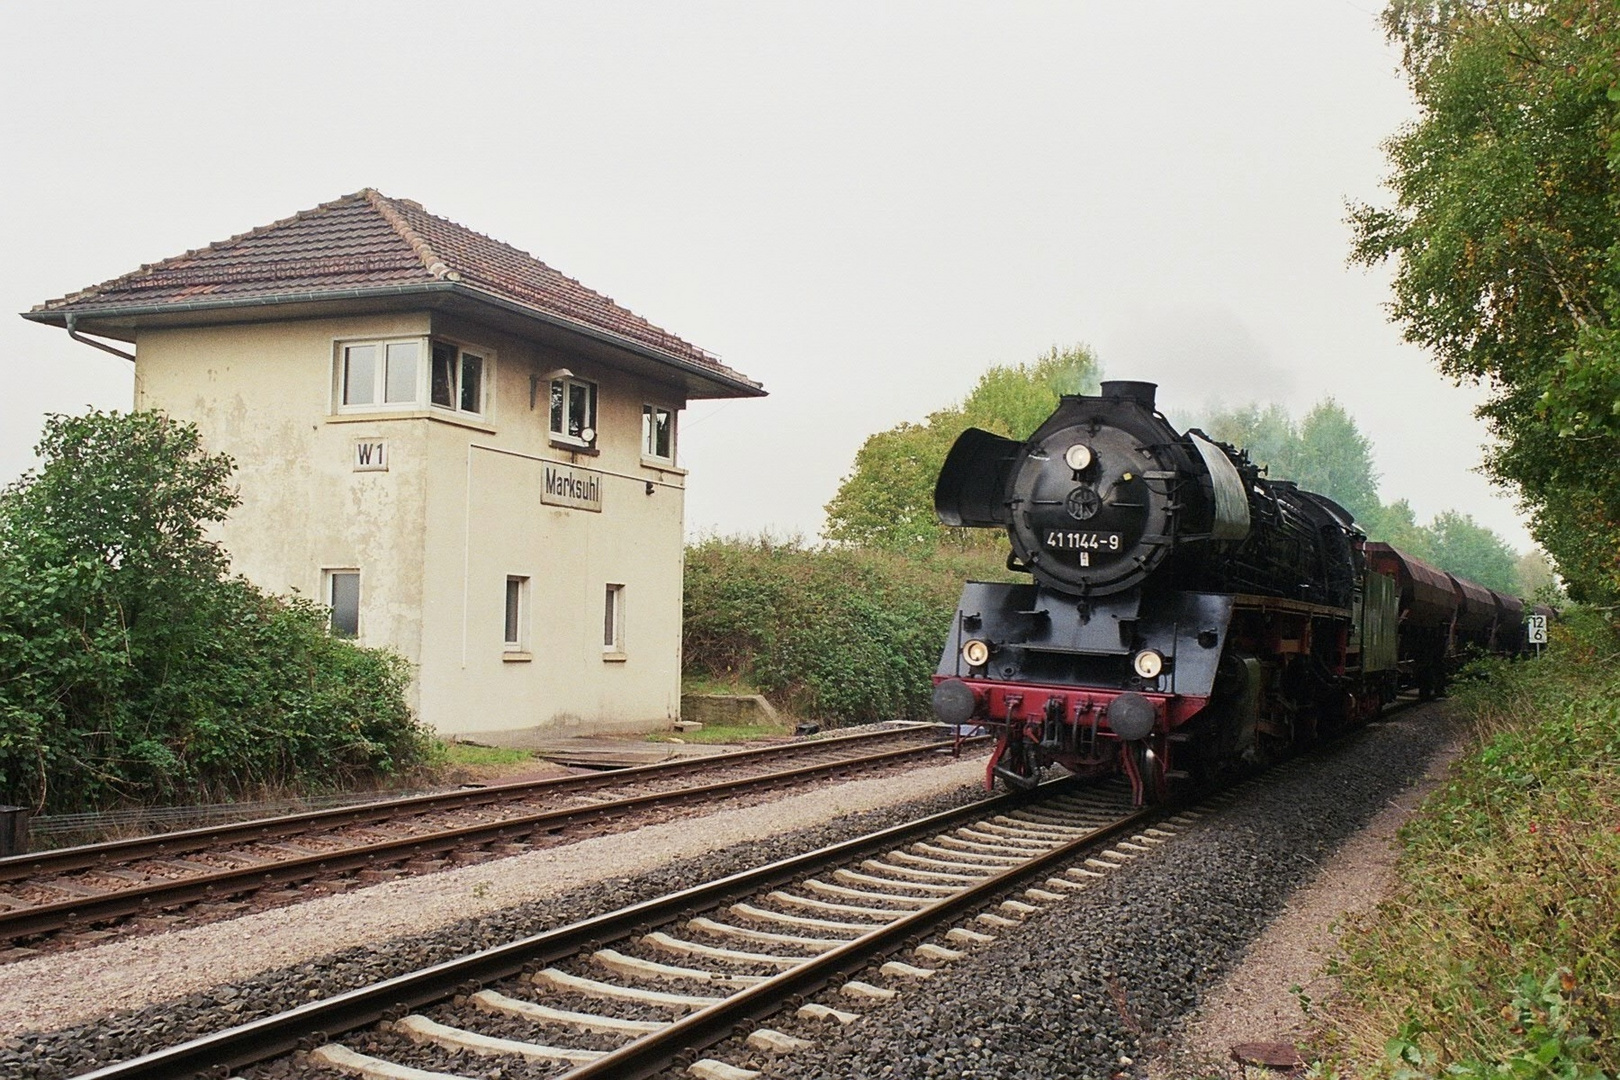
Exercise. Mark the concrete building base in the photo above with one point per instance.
(724, 710)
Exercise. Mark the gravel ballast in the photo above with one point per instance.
(1086, 988)
(134, 995)
(1270, 995)
(1090, 987)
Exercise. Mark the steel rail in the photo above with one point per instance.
(307, 1024)
(112, 852)
(43, 918)
(654, 1053)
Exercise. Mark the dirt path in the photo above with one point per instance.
(1263, 999)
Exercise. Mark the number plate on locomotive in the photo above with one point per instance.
(1082, 541)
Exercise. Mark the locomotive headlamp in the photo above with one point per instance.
(1148, 663)
(1077, 456)
(975, 653)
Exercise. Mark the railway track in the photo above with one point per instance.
(80, 890)
(809, 942)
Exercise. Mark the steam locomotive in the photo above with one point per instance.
(1186, 613)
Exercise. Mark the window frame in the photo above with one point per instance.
(613, 622)
(421, 402)
(515, 616)
(486, 369)
(649, 416)
(558, 399)
(329, 577)
(379, 379)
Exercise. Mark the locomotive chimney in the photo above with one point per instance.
(1139, 392)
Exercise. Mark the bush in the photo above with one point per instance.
(1497, 953)
(134, 669)
(842, 634)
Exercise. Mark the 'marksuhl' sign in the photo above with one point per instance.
(579, 489)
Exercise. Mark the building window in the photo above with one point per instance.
(517, 596)
(573, 411)
(613, 621)
(375, 375)
(658, 433)
(380, 373)
(343, 596)
(458, 378)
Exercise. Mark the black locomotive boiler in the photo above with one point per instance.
(1185, 611)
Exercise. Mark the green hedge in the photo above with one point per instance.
(842, 634)
(135, 670)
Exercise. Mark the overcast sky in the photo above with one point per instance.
(861, 205)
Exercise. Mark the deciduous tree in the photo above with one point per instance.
(1468, 549)
(1335, 458)
(1536, 579)
(1266, 433)
(1505, 232)
(1325, 452)
(1396, 524)
(887, 500)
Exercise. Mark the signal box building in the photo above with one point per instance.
(471, 458)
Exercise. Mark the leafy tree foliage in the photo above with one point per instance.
(1396, 524)
(1267, 433)
(1326, 452)
(887, 500)
(1468, 549)
(1536, 578)
(1505, 230)
(133, 668)
(1335, 458)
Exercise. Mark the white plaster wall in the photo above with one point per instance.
(486, 521)
(437, 534)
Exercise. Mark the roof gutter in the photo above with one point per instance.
(747, 387)
(72, 320)
(56, 317)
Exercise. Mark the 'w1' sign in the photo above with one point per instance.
(371, 455)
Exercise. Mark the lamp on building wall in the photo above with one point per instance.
(548, 377)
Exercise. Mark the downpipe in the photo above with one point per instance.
(71, 322)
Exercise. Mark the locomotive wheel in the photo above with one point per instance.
(1146, 767)
(1153, 769)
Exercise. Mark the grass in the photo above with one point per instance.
(726, 733)
(1498, 952)
(471, 754)
(704, 683)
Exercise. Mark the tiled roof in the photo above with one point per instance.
(370, 241)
